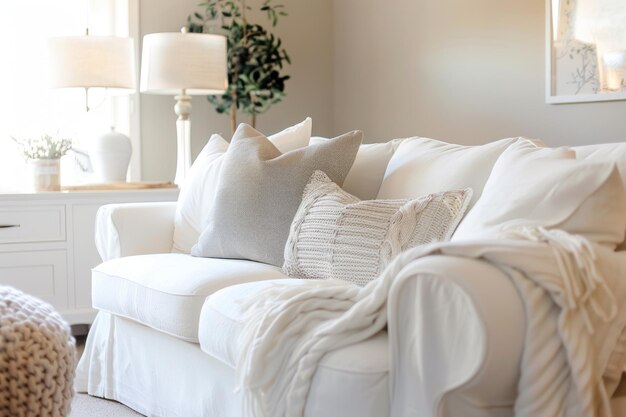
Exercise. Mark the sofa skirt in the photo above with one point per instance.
(159, 375)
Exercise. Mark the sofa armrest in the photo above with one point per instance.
(456, 331)
(134, 229)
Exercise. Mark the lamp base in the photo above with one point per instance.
(183, 137)
(183, 150)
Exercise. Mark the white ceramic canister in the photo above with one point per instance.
(110, 156)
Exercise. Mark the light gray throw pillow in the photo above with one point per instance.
(259, 191)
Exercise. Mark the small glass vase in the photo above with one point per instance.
(46, 174)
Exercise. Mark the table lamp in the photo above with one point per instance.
(97, 62)
(183, 64)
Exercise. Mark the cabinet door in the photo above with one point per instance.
(42, 274)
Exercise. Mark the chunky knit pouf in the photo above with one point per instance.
(37, 358)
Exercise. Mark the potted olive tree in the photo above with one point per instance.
(255, 56)
(43, 155)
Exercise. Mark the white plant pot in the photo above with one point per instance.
(46, 174)
(110, 156)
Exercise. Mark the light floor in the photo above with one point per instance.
(87, 406)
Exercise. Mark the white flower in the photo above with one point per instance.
(44, 147)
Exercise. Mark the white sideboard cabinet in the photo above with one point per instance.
(47, 245)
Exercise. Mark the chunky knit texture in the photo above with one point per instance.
(37, 358)
(334, 235)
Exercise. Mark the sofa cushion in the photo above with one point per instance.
(223, 317)
(200, 187)
(423, 166)
(166, 291)
(259, 191)
(368, 170)
(549, 187)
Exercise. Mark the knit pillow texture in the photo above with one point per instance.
(259, 191)
(334, 235)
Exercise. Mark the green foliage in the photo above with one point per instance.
(255, 56)
(44, 147)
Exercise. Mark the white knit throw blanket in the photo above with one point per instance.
(569, 295)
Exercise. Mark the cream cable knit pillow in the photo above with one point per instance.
(334, 235)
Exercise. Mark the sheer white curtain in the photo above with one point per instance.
(27, 106)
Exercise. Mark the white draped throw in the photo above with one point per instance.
(574, 293)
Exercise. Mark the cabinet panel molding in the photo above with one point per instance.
(42, 274)
(21, 224)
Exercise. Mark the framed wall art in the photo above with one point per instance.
(585, 51)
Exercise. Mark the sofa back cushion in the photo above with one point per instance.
(549, 187)
(259, 191)
(368, 170)
(198, 192)
(423, 166)
(608, 152)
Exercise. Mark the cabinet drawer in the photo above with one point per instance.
(20, 224)
(42, 274)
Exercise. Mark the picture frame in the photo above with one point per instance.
(573, 70)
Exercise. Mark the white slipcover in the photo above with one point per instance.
(166, 291)
(171, 377)
(159, 375)
(134, 229)
(222, 319)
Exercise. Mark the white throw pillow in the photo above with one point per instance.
(198, 191)
(369, 168)
(551, 188)
(334, 235)
(422, 166)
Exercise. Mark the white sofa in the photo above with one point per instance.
(161, 311)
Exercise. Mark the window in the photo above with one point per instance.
(27, 106)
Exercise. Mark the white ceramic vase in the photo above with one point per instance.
(46, 174)
(110, 156)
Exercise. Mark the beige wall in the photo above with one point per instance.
(457, 70)
(307, 36)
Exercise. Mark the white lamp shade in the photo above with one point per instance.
(195, 62)
(92, 61)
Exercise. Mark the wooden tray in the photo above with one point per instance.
(117, 186)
